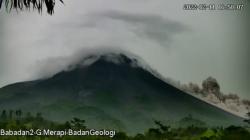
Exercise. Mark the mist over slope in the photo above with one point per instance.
(110, 90)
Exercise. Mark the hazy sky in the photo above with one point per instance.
(187, 46)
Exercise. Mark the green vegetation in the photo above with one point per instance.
(17, 120)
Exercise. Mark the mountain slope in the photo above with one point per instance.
(112, 91)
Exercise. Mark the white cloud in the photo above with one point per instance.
(211, 48)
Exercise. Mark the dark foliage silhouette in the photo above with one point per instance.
(15, 120)
(28, 4)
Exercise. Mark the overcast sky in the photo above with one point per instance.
(187, 46)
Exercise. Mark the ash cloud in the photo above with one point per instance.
(210, 92)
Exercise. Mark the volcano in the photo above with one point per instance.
(112, 91)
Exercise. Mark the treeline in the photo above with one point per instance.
(16, 120)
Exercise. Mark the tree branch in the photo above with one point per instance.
(27, 4)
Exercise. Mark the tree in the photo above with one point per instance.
(120, 136)
(67, 125)
(139, 137)
(161, 132)
(162, 127)
(11, 114)
(39, 117)
(19, 114)
(4, 115)
(29, 117)
(27, 4)
(78, 123)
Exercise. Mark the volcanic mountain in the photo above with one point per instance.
(110, 90)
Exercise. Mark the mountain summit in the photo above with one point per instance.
(110, 90)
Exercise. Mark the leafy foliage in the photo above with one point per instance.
(16, 120)
(27, 4)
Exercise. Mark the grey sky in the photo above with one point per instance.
(187, 46)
